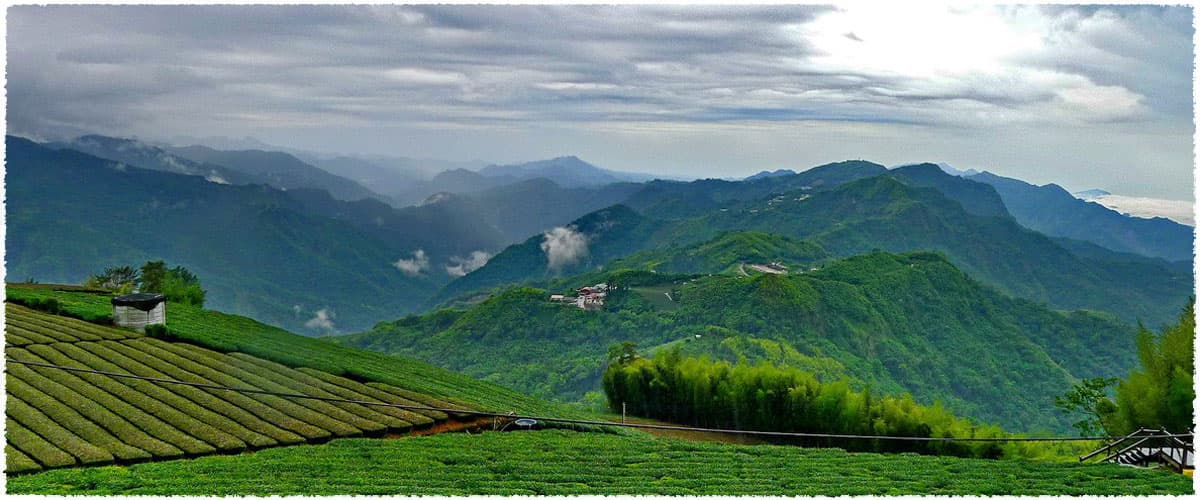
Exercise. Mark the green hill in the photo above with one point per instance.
(908, 322)
(610, 233)
(892, 212)
(679, 200)
(885, 213)
(564, 463)
(726, 253)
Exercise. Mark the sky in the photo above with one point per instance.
(1086, 97)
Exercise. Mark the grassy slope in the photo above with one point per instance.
(225, 332)
(565, 463)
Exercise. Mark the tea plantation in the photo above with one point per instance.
(60, 418)
(231, 333)
(560, 462)
(81, 433)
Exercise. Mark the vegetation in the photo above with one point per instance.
(899, 323)
(121, 280)
(701, 392)
(229, 333)
(724, 254)
(1089, 398)
(1159, 393)
(289, 253)
(565, 463)
(1053, 211)
(906, 210)
(70, 418)
(177, 283)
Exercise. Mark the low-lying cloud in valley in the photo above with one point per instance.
(463, 265)
(563, 246)
(1177, 210)
(322, 320)
(414, 266)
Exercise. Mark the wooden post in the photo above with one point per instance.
(622, 412)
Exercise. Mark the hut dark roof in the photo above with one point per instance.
(142, 301)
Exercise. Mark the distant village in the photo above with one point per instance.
(588, 298)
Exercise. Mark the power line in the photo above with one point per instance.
(570, 420)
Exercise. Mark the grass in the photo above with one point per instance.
(558, 462)
(657, 296)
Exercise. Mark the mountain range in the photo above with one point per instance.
(911, 208)
(984, 228)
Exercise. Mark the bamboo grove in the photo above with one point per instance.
(702, 392)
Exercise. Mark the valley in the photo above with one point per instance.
(907, 286)
(855, 249)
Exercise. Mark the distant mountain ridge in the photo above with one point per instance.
(280, 169)
(1052, 210)
(1090, 193)
(767, 173)
(566, 171)
(142, 155)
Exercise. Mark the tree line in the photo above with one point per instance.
(707, 393)
(177, 283)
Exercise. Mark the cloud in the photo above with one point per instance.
(414, 266)
(522, 82)
(563, 246)
(322, 320)
(464, 265)
(1177, 210)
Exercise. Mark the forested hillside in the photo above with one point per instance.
(1052, 210)
(895, 322)
(256, 249)
(892, 212)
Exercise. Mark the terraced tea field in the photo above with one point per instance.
(59, 418)
(559, 462)
(230, 333)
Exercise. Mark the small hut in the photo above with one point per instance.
(137, 310)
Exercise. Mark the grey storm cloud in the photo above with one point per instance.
(497, 77)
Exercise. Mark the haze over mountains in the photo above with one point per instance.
(890, 277)
(445, 240)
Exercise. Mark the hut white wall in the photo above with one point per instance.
(138, 319)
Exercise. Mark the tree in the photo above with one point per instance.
(178, 284)
(623, 353)
(181, 285)
(1090, 397)
(118, 279)
(153, 274)
(1159, 393)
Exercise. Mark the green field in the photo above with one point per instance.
(59, 418)
(657, 295)
(230, 333)
(568, 463)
